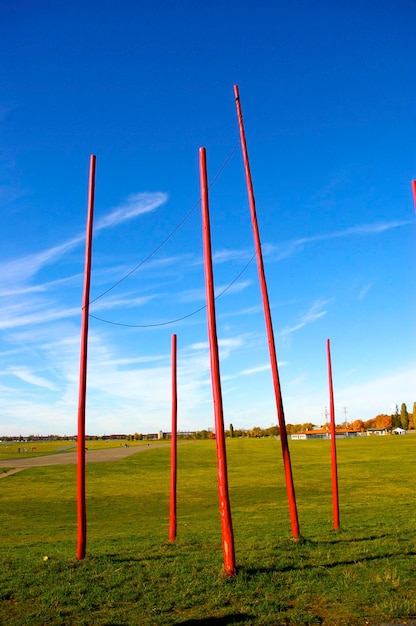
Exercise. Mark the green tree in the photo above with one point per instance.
(231, 430)
(404, 417)
(414, 415)
(395, 419)
(272, 431)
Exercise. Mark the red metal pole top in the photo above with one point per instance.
(414, 191)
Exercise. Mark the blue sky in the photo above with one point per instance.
(328, 96)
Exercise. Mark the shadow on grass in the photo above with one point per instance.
(253, 571)
(336, 540)
(217, 621)
(117, 558)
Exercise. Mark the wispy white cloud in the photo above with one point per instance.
(136, 204)
(199, 295)
(289, 248)
(20, 290)
(33, 379)
(364, 291)
(315, 312)
(23, 300)
(234, 342)
(253, 310)
(21, 270)
(24, 315)
(285, 249)
(124, 302)
(226, 256)
(257, 370)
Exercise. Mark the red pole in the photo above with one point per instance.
(414, 191)
(290, 489)
(173, 447)
(335, 501)
(225, 509)
(81, 508)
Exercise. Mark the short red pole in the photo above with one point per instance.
(290, 489)
(224, 500)
(81, 505)
(414, 191)
(173, 446)
(335, 499)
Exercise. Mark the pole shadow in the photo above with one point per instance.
(217, 621)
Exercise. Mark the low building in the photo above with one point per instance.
(324, 433)
(378, 432)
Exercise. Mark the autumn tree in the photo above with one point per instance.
(307, 426)
(256, 432)
(272, 431)
(383, 421)
(387, 422)
(404, 417)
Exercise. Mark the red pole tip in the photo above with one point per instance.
(414, 191)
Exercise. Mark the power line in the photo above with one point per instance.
(169, 236)
(179, 319)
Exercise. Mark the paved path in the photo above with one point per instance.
(70, 458)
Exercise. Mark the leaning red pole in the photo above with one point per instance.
(290, 489)
(224, 500)
(335, 499)
(414, 191)
(81, 506)
(173, 447)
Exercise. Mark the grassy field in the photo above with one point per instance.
(363, 574)
(27, 450)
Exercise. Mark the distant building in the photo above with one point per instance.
(378, 432)
(323, 433)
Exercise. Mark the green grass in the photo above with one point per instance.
(132, 575)
(26, 450)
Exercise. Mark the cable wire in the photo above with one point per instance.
(179, 319)
(170, 235)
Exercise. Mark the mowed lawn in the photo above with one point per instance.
(362, 574)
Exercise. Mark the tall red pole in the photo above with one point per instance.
(414, 191)
(335, 500)
(173, 447)
(224, 500)
(81, 506)
(290, 489)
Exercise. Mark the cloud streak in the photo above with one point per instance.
(289, 248)
(32, 379)
(21, 270)
(136, 204)
(315, 312)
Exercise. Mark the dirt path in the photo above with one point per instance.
(70, 458)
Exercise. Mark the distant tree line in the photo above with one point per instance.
(398, 419)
